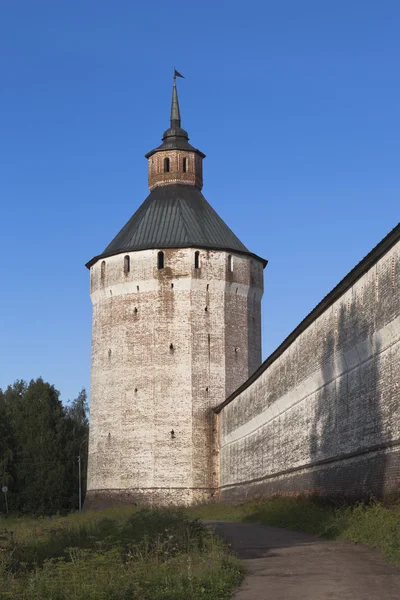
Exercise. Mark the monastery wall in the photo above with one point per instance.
(322, 414)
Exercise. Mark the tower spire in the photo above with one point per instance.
(175, 112)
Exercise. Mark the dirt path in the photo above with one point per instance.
(286, 565)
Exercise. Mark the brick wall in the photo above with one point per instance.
(141, 388)
(193, 175)
(322, 416)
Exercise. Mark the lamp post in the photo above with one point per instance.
(4, 489)
(80, 474)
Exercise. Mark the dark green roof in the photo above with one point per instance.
(175, 216)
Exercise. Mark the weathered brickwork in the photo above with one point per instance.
(168, 345)
(188, 173)
(323, 417)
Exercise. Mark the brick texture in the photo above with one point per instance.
(142, 388)
(324, 417)
(176, 174)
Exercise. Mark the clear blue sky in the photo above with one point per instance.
(295, 103)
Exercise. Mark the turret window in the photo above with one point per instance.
(127, 264)
(166, 165)
(103, 269)
(185, 164)
(160, 260)
(197, 260)
(230, 263)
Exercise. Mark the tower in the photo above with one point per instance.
(176, 328)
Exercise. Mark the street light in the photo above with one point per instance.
(4, 489)
(80, 474)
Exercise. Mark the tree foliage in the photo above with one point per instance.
(40, 442)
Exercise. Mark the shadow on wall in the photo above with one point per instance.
(347, 425)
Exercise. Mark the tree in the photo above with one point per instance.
(40, 441)
(6, 446)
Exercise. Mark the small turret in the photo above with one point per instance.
(175, 161)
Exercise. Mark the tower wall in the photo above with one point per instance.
(192, 175)
(142, 388)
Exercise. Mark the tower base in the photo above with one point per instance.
(150, 497)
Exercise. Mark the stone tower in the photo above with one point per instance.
(176, 328)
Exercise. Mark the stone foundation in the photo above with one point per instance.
(376, 474)
(100, 499)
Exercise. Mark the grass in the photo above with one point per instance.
(166, 554)
(372, 523)
(117, 554)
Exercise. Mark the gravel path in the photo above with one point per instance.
(287, 565)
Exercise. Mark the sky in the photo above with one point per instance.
(295, 104)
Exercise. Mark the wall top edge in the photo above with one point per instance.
(127, 251)
(341, 288)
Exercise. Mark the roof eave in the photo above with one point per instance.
(91, 262)
(161, 149)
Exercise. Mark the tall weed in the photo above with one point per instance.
(136, 555)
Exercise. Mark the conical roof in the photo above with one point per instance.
(175, 216)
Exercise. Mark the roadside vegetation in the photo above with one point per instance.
(375, 524)
(119, 554)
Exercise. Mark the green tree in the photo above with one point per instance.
(40, 441)
(6, 448)
(40, 463)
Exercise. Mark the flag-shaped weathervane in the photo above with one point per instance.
(176, 74)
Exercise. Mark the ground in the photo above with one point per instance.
(287, 565)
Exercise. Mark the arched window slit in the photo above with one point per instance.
(127, 264)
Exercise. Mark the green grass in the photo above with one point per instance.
(117, 554)
(373, 523)
(165, 554)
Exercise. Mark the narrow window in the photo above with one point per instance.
(103, 269)
(230, 263)
(185, 165)
(160, 260)
(393, 273)
(127, 264)
(166, 165)
(196, 259)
